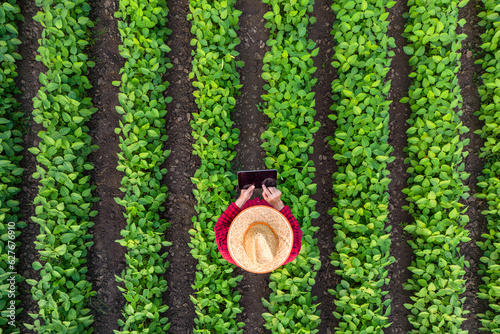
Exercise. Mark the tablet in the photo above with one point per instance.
(256, 177)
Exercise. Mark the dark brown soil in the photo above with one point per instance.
(250, 155)
(28, 72)
(469, 79)
(398, 114)
(106, 258)
(181, 165)
(326, 277)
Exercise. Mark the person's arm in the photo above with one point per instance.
(273, 196)
(222, 228)
(244, 196)
(297, 233)
(224, 222)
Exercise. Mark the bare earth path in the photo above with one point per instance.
(469, 79)
(106, 256)
(28, 70)
(250, 155)
(181, 165)
(323, 161)
(399, 113)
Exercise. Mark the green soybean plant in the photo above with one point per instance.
(217, 82)
(289, 103)
(10, 155)
(435, 155)
(362, 152)
(489, 183)
(64, 200)
(142, 29)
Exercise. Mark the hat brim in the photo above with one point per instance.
(259, 214)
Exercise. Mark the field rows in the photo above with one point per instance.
(361, 149)
(360, 253)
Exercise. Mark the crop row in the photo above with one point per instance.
(10, 172)
(289, 103)
(490, 181)
(142, 29)
(64, 199)
(362, 152)
(435, 155)
(216, 82)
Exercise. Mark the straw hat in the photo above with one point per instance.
(260, 239)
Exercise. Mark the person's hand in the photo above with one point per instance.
(244, 196)
(272, 196)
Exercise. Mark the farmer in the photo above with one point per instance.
(258, 235)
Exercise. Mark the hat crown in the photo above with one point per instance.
(261, 243)
(260, 239)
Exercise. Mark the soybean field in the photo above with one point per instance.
(123, 124)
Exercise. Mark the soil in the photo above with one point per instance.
(28, 72)
(398, 114)
(181, 165)
(106, 256)
(250, 155)
(326, 277)
(469, 79)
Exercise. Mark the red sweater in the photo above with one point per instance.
(225, 220)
